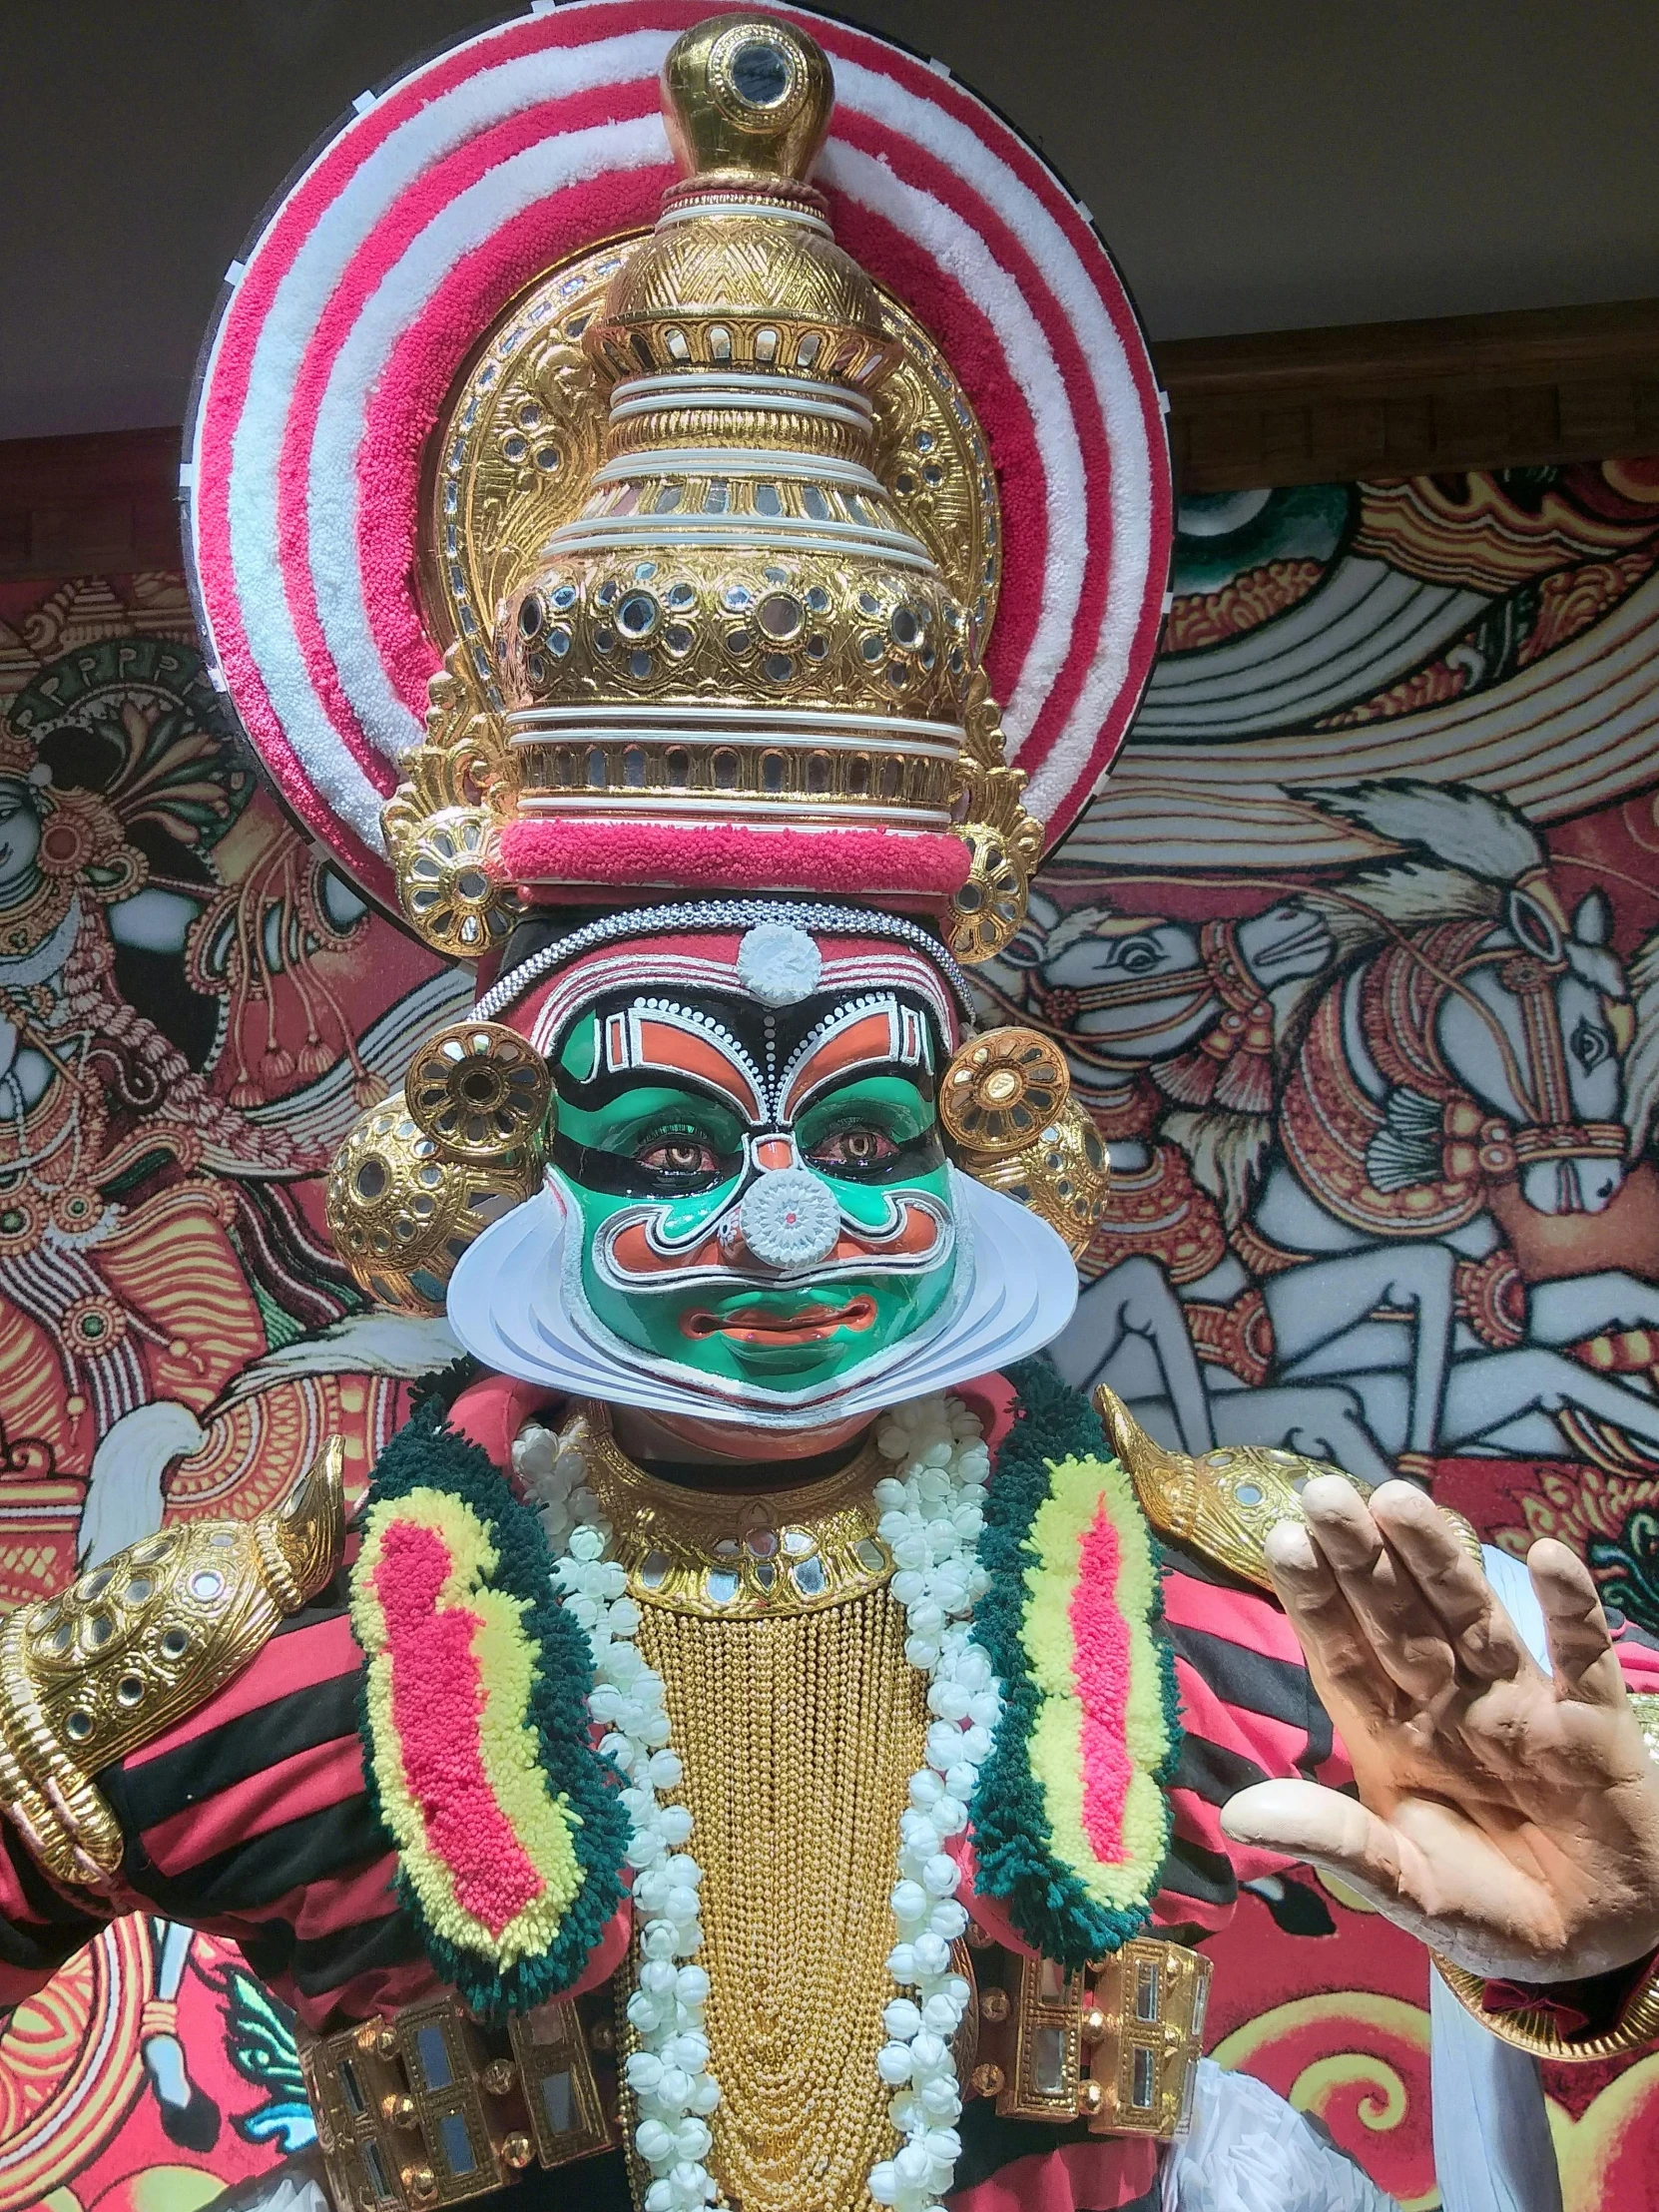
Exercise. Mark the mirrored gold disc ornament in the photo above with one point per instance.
(999, 1090)
(479, 1090)
(402, 1213)
(1007, 1108)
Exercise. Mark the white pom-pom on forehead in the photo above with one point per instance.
(779, 964)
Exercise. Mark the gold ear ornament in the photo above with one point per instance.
(479, 1091)
(1007, 1108)
(425, 1172)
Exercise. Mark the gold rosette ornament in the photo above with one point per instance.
(425, 1172)
(1013, 1124)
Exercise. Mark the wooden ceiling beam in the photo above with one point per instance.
(102, 503)
(1390, 399)
(1374, 399)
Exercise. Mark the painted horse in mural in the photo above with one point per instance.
(1454, 1122)
(1153, 1011)
(1400, 1102)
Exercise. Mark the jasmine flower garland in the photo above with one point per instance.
(933, 1513)
(668, 2073)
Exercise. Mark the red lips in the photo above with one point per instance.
(754, 1325)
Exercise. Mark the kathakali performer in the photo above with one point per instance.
(765, 1741)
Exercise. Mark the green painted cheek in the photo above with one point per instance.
(650, 1324)
(902, 1302)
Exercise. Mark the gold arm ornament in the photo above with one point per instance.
(1534, 2030)
(1225, 1502)
(89, 1675)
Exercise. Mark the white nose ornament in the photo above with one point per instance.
(789, 1219)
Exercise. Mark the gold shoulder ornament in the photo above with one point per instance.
(87, 1676)
(1223, 1502)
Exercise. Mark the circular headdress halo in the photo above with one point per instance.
(347, 329)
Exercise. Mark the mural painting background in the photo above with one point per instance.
(1357, 961)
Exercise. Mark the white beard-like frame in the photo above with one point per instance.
(516, 1303)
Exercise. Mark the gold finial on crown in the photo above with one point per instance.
(747, 98)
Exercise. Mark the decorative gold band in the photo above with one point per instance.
(1534, 2030)
(430, 2108)
(1116, 2044)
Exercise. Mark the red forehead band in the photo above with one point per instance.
(690, 964)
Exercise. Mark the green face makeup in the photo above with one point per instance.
(763, 1197)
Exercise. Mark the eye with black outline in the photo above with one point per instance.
(859, 1147)
(674, 1152)
(1589, 1044)
(1139, 956)
(872, 1140)
(682, 1156)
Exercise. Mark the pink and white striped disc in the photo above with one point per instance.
(339, 338)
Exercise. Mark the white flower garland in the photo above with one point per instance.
(674, 2090)
(932, 1516)
(930, 1522)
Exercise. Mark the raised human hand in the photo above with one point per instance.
(1508, 1818)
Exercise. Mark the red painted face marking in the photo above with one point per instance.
(775, 1152)
(666, 1047)
(753, 1326)
(632, 1252)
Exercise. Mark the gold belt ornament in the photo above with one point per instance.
(1116, 2044)
(430, 2108)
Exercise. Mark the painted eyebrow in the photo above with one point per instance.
(657, 1035)
(882, 1035)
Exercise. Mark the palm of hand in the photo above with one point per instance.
(1508, 1818)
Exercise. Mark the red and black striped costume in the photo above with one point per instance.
(250, 1820)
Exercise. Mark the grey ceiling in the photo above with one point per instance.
(1256, 163)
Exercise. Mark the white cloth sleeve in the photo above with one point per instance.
(1492, 2148)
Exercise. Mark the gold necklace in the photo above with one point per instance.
(736, 1555)
(31, 920)
(799, 1722)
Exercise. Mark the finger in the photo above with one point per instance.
(1345, 1667)
(1406, 1635)
(1299, 1820)
(1454, 1583)
(1581, 1654)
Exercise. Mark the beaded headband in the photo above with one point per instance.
(722, 914)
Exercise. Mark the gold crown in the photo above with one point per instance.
(739, 616)
(758, 611)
